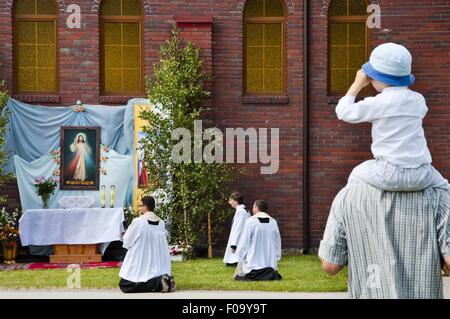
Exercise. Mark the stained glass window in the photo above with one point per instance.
(348, 42)
(339, 8)
(264, 47)
(121, 47)
(35, 46)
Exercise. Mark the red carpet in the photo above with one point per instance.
(40, 266)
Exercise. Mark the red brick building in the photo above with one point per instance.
(255, 50)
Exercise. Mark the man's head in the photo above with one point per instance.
(260, 206)
(147, 204)
(390, 64)
(236, 199)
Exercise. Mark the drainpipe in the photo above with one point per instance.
(305, 126)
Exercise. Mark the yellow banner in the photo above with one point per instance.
(140, 171)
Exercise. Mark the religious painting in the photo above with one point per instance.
(142, 171)
(80, 158)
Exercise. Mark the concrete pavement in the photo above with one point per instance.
(184, 294)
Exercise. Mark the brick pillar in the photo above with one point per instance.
(11, 190)
(198, 30)
(6, 47)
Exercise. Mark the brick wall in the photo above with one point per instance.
(335, 147)
(12, 192)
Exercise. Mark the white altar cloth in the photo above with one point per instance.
(75, 226)
(76, 201)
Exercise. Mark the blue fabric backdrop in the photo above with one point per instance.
(34, 132)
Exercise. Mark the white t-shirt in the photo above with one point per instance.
(396, 115)
(148, 252)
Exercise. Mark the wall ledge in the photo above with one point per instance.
(263, 99)
(37, 98)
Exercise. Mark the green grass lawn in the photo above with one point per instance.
(300, 273)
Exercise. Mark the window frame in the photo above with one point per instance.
(266, 20)
(121, 19)
(345, 19)
(33, 18)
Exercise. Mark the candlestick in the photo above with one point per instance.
(103, 196)
(111, 202)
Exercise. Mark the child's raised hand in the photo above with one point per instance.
(361, 79)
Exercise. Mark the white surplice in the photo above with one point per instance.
(260, 244)
(240, 216)
(148, 251)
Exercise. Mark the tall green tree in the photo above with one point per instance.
(187, 191)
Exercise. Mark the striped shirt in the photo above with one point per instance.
(391, 241)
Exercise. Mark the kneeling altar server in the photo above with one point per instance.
(147, 264)
(259, 248)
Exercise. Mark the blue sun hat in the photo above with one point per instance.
(390, 63)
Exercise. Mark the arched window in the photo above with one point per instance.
(35, 61)
(348, 42)
(264, 58)
(121, 47)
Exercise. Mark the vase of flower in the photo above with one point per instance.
(180, 252)
(45, 188)
(45, 198)
(177, 258)
(9, 234)
(10, 254)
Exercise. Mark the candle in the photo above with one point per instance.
(112, 196)
(103, 196)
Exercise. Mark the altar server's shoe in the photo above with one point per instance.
(165, 280)
(173, 285)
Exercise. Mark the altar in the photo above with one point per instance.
(81, 152)
(75, 233)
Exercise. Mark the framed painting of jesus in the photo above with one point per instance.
(80, 158)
